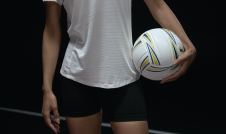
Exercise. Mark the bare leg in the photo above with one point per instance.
(130, 127)
(85, 125)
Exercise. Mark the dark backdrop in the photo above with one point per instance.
(193, 104)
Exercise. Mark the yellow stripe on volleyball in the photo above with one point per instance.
(153, 56)
(144, 63)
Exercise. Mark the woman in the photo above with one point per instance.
(97, 71)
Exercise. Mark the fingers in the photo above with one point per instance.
(52, 121)
(188, 54)
(184, 61)
(48, 121)
(181, 71)
(56, 119)
(55, 123)
(182, 58)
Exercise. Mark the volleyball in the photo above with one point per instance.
(154, 51)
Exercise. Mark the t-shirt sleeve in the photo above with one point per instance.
(60, 2)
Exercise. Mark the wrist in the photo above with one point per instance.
(46, 89)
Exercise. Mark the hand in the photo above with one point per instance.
(50, 105)
(184, 61)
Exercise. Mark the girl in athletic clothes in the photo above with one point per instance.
(97, 70)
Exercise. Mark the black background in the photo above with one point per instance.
(192, 104)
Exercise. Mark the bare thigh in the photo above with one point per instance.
(85, 125)
(130, 127)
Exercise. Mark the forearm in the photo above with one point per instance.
(50, 51)
(167, 19)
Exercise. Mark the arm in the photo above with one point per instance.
(50, 44)
(167, 19)
(50, 50)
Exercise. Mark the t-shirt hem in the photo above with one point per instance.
(59, 2)
(101, 85)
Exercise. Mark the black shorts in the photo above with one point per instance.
(125, 103)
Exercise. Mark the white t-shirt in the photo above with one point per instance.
(100, 46)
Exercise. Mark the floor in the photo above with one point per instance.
(16, 121)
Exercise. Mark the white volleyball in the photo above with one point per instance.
(154, 52)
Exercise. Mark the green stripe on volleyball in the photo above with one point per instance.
(154, 52)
